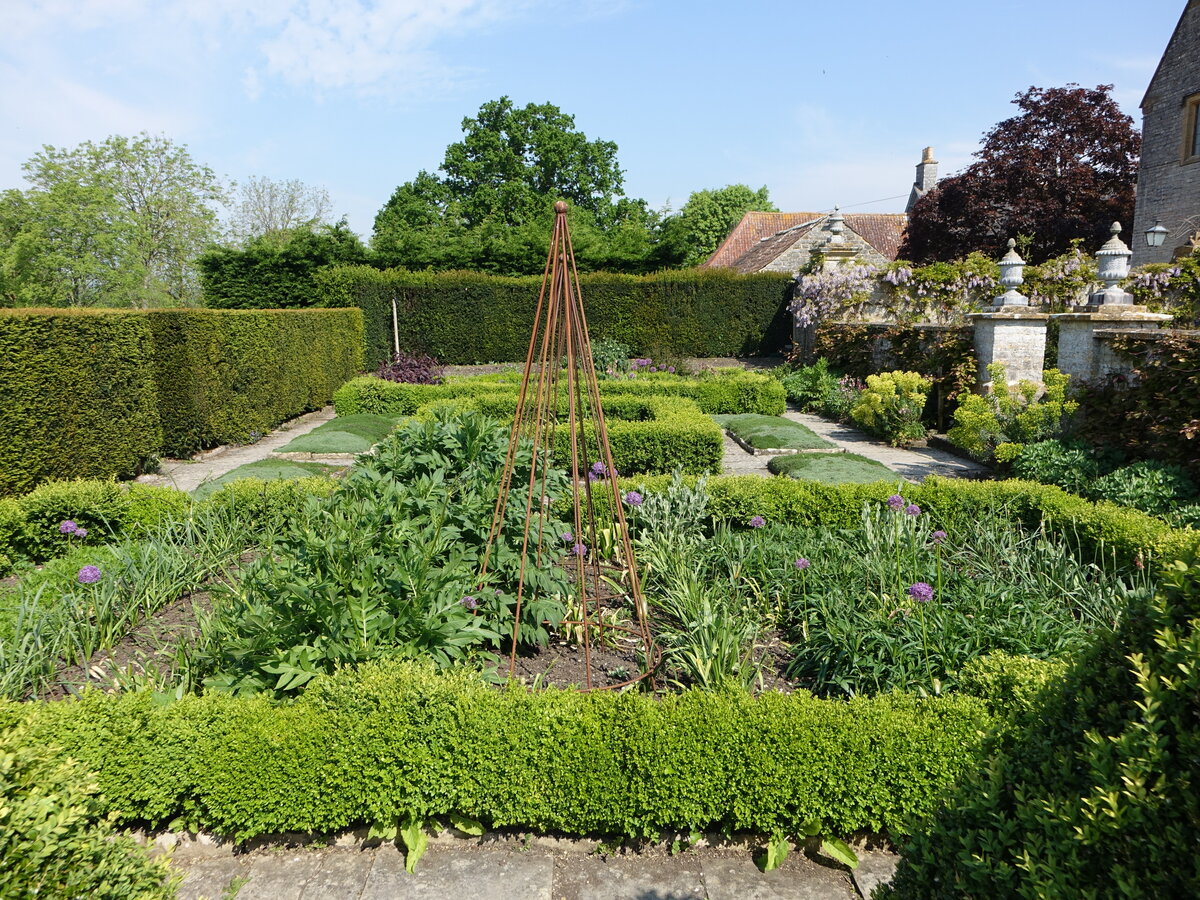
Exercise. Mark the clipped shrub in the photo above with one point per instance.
(80, 400)
(890, 406)
(1096, 794)
(994, 426)
(1153, 487)
(56, 840)
(411, 368)
(1012, 685)
(393, 739)
(468, 317)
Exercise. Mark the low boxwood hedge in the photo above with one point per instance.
(395, 739)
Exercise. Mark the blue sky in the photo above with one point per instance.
(822, 102)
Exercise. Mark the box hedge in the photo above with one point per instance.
(79, 397)
(97, 392)
(467, 317)
(395, 739)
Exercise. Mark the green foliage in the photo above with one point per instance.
(79, 397)
(891, 406)
(275, 271)
(772, 432)
(467, 317)
(1153, 487)
(394, 740)
(1095, 794)
(382, 567)
(223, 376)
(268, 470)
(830, 468)
(993, 426)
(1069, 465)
(610, 357)
(1010, 684)
(693, 234)
(55, 839)
(808, 387)
(110, 224)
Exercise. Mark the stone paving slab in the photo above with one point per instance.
(622, 878)
(208, 878)
(280, 875)
(450, 875)
(738, 878)
(875, 867)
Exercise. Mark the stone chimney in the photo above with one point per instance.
(926, 178)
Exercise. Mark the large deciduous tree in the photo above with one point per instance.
(1062, 170)
(490, 206)
(266, 208)
(111, 224)
(691, 235)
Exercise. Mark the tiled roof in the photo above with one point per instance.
(761, 237)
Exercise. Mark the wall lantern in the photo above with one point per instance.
(1155, 235)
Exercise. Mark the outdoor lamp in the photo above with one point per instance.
(1155, 235)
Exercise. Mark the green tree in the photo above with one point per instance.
(111, 224)
(691, 235)
(490, 207)
(274, 209)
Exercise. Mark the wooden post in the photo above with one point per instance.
(395, 328)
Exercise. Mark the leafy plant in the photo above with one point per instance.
(994, 426)
(1070, 465)
(610, 357)
(808, 386)
(891, 406)
(411, 368)
(1153, 487)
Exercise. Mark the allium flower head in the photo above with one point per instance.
(912, 509)
(938, 536)
(88, 575)
(68, 527)
(671, 370)
(80, 532)
(921, 592)
(469, 602)
(579, 550)
(567, 537)
(633, 498)
(895, 502)
(802, 563)
(757, 522)
(599, 469)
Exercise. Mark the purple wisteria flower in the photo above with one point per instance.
(469, 602)
(757, 522)
(633, 498)
(921, 592)
(938, 536)
(895, 502)
(579, 550)
(88, 575)
(912, 510)
(802, 563)
(68, 527)
(567, 537)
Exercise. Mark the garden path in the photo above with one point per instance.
(189, 474)
(500, 868)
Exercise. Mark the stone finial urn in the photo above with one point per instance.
(1012, 276)
(837, 227)
(1112, 265)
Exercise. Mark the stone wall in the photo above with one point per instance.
(1168, 175)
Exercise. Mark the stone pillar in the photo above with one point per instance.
(1009, 332)
(1080, 354)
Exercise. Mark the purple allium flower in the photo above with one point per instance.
(895, 502)
(68, 527)
(938, 536)
(921, 592)
(633, 498)
(802, 563)
(579, 550)
(469, 602)
(88, 575)
(498, 592)
(758, 522)
(567, 537)
(80, 532)
(912, 509)
(671, 369)
(599, 469)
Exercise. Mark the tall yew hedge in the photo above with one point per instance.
(467, 317)
(93, 393)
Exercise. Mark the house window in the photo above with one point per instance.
(1191, 129)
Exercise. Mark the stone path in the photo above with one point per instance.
(189, 474)
(505, 869)
(913, 465)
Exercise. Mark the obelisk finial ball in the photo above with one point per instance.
(560, 206)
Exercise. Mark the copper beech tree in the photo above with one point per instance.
(1061, 170)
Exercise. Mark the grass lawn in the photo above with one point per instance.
(832, 468)
(772, 432)
(345, 434)
(267, 470)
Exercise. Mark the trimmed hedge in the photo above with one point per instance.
(223, 375)
(395, 739)
(92, 393)
(79, 399)
(467, 317)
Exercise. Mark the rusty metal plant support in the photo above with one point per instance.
(560, 378)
